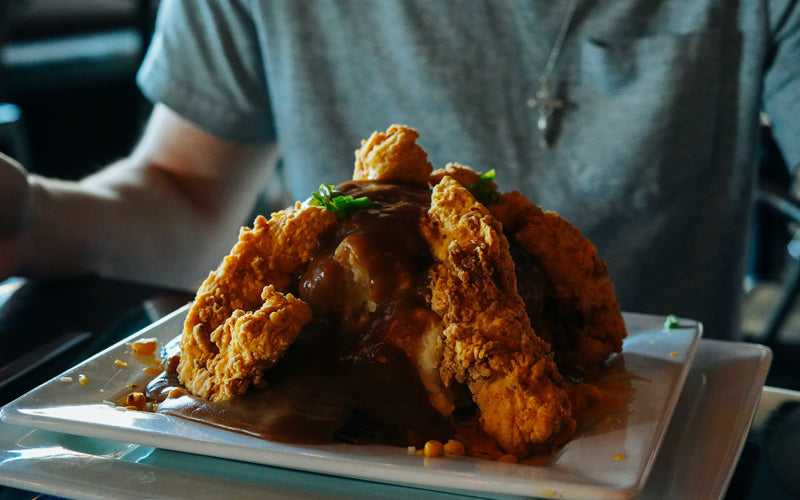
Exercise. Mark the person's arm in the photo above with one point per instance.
(164, 215)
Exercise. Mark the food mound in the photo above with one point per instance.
(431, 292)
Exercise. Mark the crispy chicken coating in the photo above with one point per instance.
(582, 318)
(488, 340)
(241, 322)
(463, 174)
(248, 343)
(393, 155)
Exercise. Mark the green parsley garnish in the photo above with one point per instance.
(483, 191)
(337, 202)
(671, 322)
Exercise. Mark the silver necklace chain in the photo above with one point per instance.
(545, 102)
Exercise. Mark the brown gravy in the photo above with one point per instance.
(349, 376)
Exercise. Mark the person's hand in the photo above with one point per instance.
(15, 207)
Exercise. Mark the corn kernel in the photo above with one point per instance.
(150, 370)
(433, 449)
(508, 458)
(177, 392)
(121, 363)
(83, 379)
(453, 447)
(136, 401)
(145, 346)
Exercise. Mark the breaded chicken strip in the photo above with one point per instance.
(238, 325)
(463, 174)
(488, 339)
(248, 343)
(392, 156)
(582, 318)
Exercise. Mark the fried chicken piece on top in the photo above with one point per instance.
(241, 322)
(393, 155)
(582, 318)
(463, 174)
(488, 340)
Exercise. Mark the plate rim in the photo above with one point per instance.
(15, 413)
(35, 473)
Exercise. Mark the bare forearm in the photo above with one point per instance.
(108, 229)
(164, 215)
(131, 222)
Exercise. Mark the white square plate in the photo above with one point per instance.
(587, 467)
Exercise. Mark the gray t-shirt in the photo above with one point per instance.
(654, 150)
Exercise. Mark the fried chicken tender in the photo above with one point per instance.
(241, 322)
(394, 156)
(582, 321)
(463, 174)
(488, 340)
(249, 342)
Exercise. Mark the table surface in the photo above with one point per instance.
(90, 313)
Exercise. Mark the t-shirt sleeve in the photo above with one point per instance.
(204, 62)
(782, 81)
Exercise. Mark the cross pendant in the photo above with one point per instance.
(546, 104)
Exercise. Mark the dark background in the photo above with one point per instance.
(70, 67)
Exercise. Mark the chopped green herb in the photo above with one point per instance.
(337, 202)
(489, 175)
(483, 190)
(671, 322)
